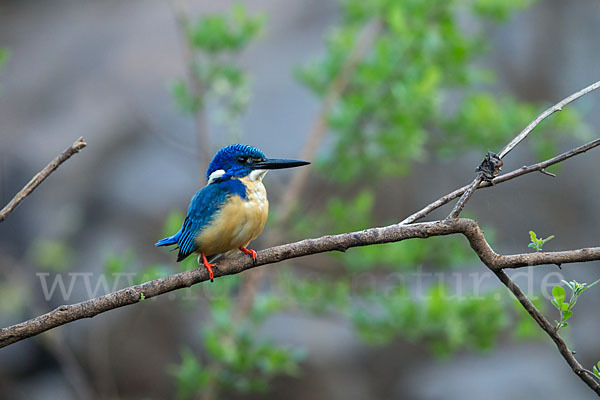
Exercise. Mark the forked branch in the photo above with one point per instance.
(538, 167)
(518, 139)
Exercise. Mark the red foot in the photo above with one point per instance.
(251, 252)
(208, 266)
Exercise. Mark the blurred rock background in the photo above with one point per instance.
(102, 70)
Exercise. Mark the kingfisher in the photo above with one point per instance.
(231, 210)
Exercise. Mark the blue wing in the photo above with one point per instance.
(203, 207)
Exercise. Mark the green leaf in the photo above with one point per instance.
(536, 242)
(567, 314)
(548, 238)
(597, 369)
(592, 284)
(533, 236)
(573, 301)
(578, 286)
(569, 284)
(558, 292)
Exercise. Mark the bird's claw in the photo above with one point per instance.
(250, 252)
(208, 266)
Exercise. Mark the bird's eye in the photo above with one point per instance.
(243, 159)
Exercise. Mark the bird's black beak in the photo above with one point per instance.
(278, 163)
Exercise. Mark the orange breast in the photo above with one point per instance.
(237, 223)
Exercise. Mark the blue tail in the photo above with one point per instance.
(169, 240)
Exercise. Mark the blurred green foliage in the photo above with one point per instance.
(219, 33)
(13, 299)
(318, 297)
(3, 56)
(524, 326)
(239, 360)
(499, 10)
(118, 263)
(419, 88)
(214, 41)
(447, 323)
(51, 254)
(356, 213)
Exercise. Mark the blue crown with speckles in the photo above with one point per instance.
(226, 159)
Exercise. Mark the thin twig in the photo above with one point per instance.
(502, 178)
(40, 176)
(522, 135)
(557, 107)
(465, 197)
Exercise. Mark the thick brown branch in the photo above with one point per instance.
(90, 308)
(496, 263)
(234, 265)
(555, 257)
(40, 176)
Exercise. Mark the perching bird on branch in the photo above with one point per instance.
(231, 210)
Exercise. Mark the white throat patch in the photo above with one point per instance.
(215, 175)
(257, 174)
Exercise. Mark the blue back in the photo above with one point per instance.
(203, 207)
